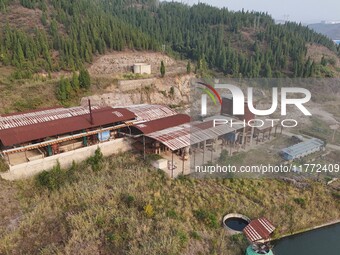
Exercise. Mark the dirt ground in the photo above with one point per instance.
(22, 17)
(9, 207)
(315, 52)
(172, 90)
(122, 62)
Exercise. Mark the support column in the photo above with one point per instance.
(204, 144)
(144, 147)
(172, 165)
(212, 150)
(244, 140)
(194, 158)
(252, 135)
(9, 161)
(276, 130)
(183, 165)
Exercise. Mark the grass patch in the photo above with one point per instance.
(126, 208)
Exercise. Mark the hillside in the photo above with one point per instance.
(121, 204)
(126, 208)
(330, 30)
(40, 35)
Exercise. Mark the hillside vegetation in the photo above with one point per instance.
(69, 34)
(118, 205)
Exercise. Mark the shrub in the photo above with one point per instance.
(53, 179)
(128, 199)
(208, 218)
(195, 235)
(57, 177)
(148, 209)
(183, 237)
(171, 214)
(300, 201)
(96, 161)
(336, 195)
(3, 166)
(172, 92)
(223, 156)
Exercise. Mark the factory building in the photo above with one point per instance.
(37, 140)
(302, 149)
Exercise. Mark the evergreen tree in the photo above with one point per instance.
(68, 88)
(188, 68)
(162, 69)
(79, 29)
(61, 91)
(44, 18)
(75, 81)
(268, 71)
(84, 79)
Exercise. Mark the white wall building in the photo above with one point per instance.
(142, 68)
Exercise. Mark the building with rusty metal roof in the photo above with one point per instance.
(259, 230)
(160, 124)
(36, 126)
(147, 112)
(48, 135)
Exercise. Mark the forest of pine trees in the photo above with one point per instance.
(69, 87)
(78, 30)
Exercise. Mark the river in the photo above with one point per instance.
(320, 241)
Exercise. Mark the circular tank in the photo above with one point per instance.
(250, 251)
(235, 223)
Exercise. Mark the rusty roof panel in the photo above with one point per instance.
(145, 112)
(182, 136)
(163, 123)
(40, 126)
(259, 230)
(35, 117)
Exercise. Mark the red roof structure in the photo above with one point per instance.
(181, 136)
(146, 112)
(18, 129)
(163, 123)
(40, 116)
(259, 231)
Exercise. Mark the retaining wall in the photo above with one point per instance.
(126, 85)
(65, 159)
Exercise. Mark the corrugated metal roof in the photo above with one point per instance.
(163, 123)
(174, 138)
(145, 112)
(303, 147)
(185, 135)
(61, 121)
(30, 111)
(44, 115)
(259, 230)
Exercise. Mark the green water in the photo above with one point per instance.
(323, 241)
